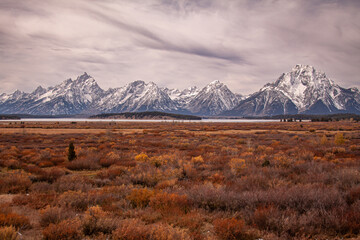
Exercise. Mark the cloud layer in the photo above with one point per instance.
(176, 43)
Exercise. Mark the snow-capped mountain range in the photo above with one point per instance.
(84, 96)
(302, 90)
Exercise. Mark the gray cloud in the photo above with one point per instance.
(180, 43)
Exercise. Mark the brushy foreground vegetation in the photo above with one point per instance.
(180, 181)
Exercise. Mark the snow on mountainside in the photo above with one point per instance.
(135, 96)
(213, 99)
(69, 97)
(84, 96)
(182, 98)
(302, 90)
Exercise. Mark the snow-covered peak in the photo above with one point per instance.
(83, 77)
(190, 91)
(18, 94)
(215, 82)
(136, 96)
(304, 85)
(137, 83)
(215, 86)
(213, 99)
(173, 93)
(302, 68)
(39, 91)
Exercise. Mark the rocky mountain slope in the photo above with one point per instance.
(302, 90)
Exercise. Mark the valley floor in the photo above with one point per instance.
(173, 180)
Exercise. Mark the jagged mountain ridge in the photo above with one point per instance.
(302, 90)
(84, 96)
(213, 99)
(134, 97)
(68, 97)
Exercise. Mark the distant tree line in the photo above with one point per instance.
(143, 115)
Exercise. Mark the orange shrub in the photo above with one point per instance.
(339, 139)
(158, 161)
(134, 229)
(140, 197)
(237, 165)
(110, 159)
(131, 229)
(324, 140)
(167, 232)
(230, 228)
(65, 230)
(8, 233)
(170, 203)
(197, 160)
(112, 172)
(13, 219)
(142, 157)
(354, 147)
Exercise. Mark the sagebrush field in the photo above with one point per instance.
(174, 180)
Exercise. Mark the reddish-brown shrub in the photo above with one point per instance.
(80, 201)
(50, 175)
(131, 229)
(230, 228)
(170, 203)
(41, 187)
(83, 164)
(112, 172)
(110, 159)
(14, 183)
(65, 230)
(45, 164)
(353, 195)
(134, 229)
(193, 221)
(12, 164)
(35, 200)
(97, 221)
(72, 183)
(167, 232)
(262, 215)
(54, 215)
(146, 175)
(13, 219)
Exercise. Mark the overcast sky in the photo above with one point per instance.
(244, 44)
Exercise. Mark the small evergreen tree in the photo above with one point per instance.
(71, 152)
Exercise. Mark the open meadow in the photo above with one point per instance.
(178, 180)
